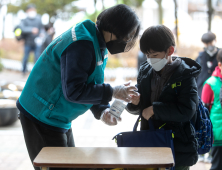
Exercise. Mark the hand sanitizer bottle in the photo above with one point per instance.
(117, 108)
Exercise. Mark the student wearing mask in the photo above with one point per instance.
(168, 93)
(68, 79)
(207, 59)
(211, 99)
(31, 27)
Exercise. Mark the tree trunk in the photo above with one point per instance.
(160, 10)
(95, 14)
(176, 21)
(103, 4)
(210, 13)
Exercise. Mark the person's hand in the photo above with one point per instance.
(124, 92)
(35, 30)
(148, 112)
(108, 118)
(135, 99)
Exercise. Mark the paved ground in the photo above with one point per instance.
(88, 132)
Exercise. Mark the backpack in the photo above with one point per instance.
(203, 127)
(19, 35)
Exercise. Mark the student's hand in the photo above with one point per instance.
(108, 118)
(135, 99)
(148, 112)
(124, 92)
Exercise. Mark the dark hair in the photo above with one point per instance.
(30, 6)
(208, 37)
(157, 38)
(120, 20)
(219, 56)
(47, 26)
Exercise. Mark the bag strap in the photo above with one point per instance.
(136, 124)
(151, 126)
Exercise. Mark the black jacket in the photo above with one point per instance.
(176, 107)
(207, 71)
(27, 25)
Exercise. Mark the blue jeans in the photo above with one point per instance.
(27, 50)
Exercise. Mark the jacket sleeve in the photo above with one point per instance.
(76, 63)
(207, 96)
(184, 109)
(97, 110)
(221, 96)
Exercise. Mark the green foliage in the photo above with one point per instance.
(93, 16)
(59, 8)
(63, 9)
(113, 62)
(135, 3)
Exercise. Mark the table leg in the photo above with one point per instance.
(44, 168)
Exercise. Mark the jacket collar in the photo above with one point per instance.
(187, 68)
(101, 40)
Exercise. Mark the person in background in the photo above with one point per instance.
(207, 59)
(31, 27)
(168, 93)
(48, 36)
(140, 59)
(211, 99)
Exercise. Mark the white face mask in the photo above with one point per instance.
(157, 63)
(211, 50)
(32, 14)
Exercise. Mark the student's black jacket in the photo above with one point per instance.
(176, 109)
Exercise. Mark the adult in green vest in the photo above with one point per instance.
(211, 99)
(68, 79)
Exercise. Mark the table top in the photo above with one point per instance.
(104, 157)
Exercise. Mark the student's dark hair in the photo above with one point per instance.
(219, 56)
(29, 6)
(47, 26)
(157, 38)
(208, 37)
(120, 20)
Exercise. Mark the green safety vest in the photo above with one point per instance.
(42, 95)
(216, 110)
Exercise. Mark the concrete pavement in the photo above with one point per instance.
(88, 132)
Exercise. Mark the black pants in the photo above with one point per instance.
(216, 153)
(37, 137)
